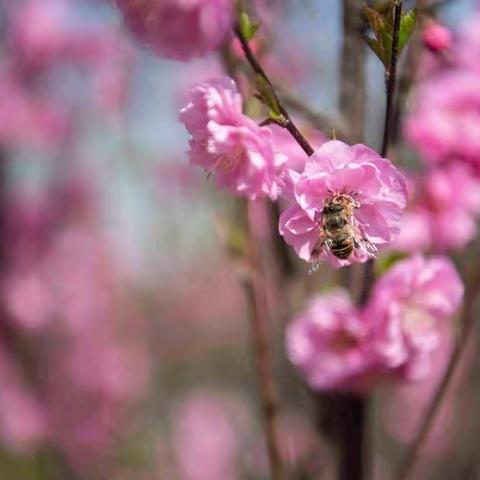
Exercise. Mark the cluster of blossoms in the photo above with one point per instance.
(227, 142)
(64, 296)
(444, 128)
(39, 40)
(211, 429)
(338, 346)
(254, 161)
(180, 30)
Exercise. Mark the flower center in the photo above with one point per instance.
(416, 320)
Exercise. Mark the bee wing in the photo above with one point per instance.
(359, 239)
(318, 253)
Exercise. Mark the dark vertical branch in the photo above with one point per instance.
(391, 77)
(390, 82)
(352, 437)
(352, 410)
(255, 292)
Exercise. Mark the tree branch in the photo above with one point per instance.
(255, 292)
(390, 80)
(258, 69)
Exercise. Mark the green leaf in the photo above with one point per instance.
(276, 117)
(385, 262)
(407, 26)
(376, 21)
(248, 29)
(376, 48)
(267, 95)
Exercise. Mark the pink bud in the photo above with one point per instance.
(436, 37)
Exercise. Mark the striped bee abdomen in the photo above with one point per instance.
(342, 246)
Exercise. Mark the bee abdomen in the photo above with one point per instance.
(342, 249)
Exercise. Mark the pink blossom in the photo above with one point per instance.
(445, 123)
(226, 142)
(179, 29)
(284, 143)
(466, 51)
(442, 216)
(331, 344)
(436, 37)
(206, 436)
(409, 305)
(376, 186)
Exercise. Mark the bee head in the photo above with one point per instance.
(330, 208)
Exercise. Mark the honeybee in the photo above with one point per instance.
(339, 232)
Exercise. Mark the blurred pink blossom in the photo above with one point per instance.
(337, 168)
(445, 123)
(408, 307)
(443, 212)
(436, 37)
(208, 427)
(284, 143)
(331, 344)
(179, 29)
(226, 142)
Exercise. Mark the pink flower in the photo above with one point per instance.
(284, 143)
(207, 431)
(436, 37)
(331, 344)
(408, 306)
(445, 123)
(373, 185)
(443, 214)
(179, 29)
(467, 49)
(226, 142)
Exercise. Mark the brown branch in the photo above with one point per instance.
(255, 292)
(390, 79)
(467, 324)
(258, 69)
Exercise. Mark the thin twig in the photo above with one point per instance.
(258, 69)
(255, 291)
(351, 411)
(467, 323)
(390, 80)
(391, 77)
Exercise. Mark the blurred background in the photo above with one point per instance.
(124, 349)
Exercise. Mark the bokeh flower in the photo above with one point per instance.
(179, 29)
(436, 37)
(227, 142)
(408, 306)
(445, 124)
(331, 344)
(208, 429)
(443, 212)
(373, 183)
